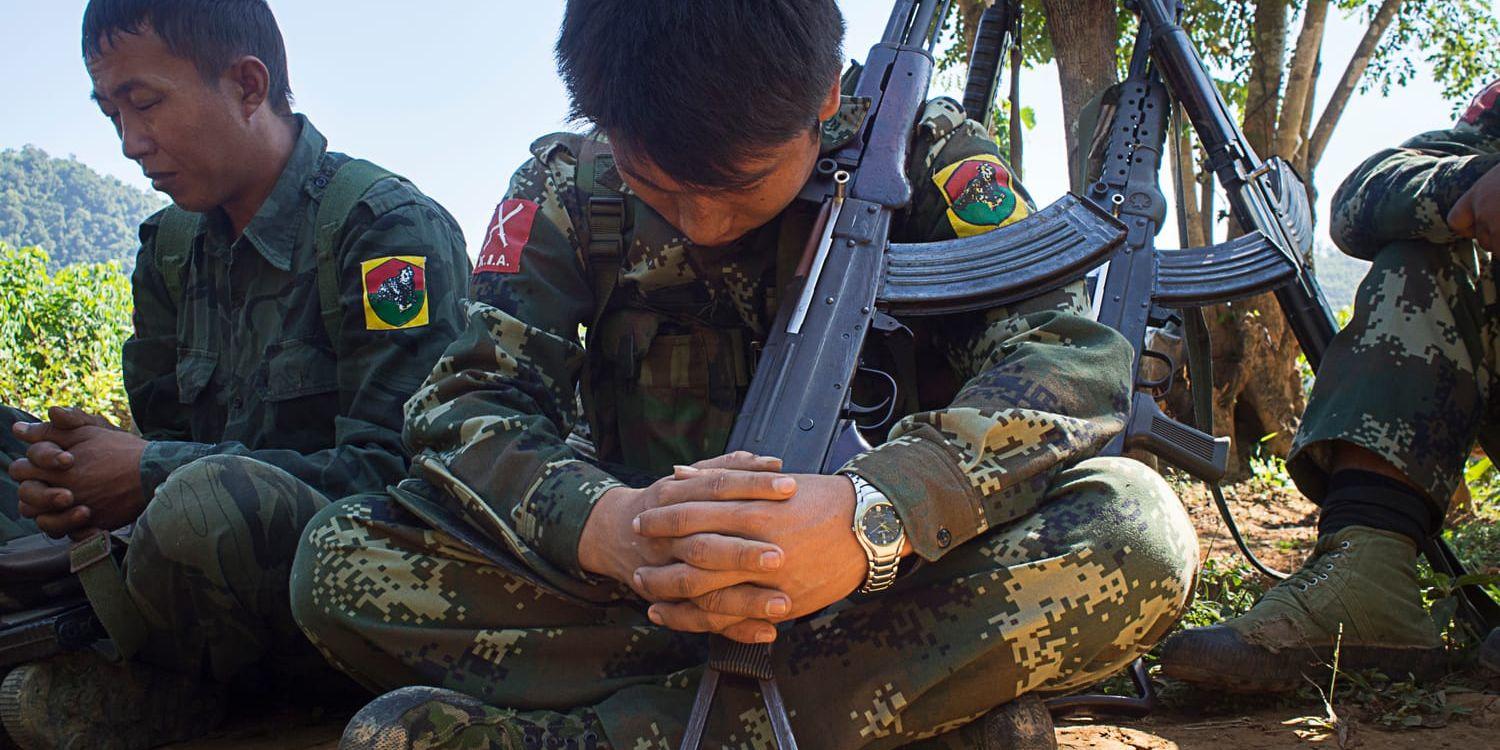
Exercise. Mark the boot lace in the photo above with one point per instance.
(1317, 569)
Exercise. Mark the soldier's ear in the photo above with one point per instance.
(831, 102)
(249, 81)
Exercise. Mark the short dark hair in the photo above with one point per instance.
(697, 85)
(210, 33)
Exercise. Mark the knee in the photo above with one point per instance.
(1143, 528)
(315, 566)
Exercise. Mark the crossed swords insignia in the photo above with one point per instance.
(498, 229)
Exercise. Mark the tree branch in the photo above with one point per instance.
(1346, 85)
(1300, 80)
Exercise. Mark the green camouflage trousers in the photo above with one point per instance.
(12, 525)
(1054, 601)
(1411, 377)
(208, 565)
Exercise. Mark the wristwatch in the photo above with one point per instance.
(879, 531)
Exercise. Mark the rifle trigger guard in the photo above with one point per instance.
(888, 405)
(1164, 383)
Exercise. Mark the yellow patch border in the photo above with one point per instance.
(373, 321)
(963, 228)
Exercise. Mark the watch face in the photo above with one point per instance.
(881, 525)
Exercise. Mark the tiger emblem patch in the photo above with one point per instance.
(395, 292)
(980, 195)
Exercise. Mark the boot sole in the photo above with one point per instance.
(79, 701)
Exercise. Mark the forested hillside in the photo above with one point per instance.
(76, 214)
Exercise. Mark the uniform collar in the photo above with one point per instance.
(274, 230)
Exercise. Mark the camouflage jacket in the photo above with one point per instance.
(245, 366)
(1405, 193)
(1003, 398)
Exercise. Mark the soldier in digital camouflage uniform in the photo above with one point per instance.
(1402, 394)
(266, 374)
(1043, 568)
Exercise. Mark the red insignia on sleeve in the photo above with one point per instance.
(1485, 102)
(509, 232)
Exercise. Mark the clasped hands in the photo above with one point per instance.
(729, 545)
(1476, 213)
(80, 473)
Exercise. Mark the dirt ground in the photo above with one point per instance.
(1278, 523)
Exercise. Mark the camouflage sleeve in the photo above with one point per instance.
(379, 367)
(1406, 193)
(149, 356)
(503, 398)
(1044, 386)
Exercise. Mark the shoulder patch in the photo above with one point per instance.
(509, 231)
(1485, 102)
(395, 292)
(980, 195)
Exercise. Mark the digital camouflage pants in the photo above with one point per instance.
(207, 567)
(1054, 601)
(1412, 377)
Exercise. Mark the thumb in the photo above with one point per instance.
(39, 432)
(1461, 217)
(72, 418)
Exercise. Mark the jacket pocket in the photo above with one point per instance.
(195, 368)
(298, 368)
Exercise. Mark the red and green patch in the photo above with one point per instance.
(395, 292)
(980, 195)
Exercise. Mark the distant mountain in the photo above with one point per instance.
(74, 213)
(1338, 274)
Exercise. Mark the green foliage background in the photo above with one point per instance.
(76, 214)
(61, 333)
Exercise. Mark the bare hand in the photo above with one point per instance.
(1476, 215)
(824, 562)
(79, 473)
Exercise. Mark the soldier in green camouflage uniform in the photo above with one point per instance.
(274, 346)
(1043, 568)
(1402, 395)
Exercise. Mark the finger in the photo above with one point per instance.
(38, 498)
(746, 600)
(687, 618)
(720, 552)
(750, 631)
(687, 519)
(72, 418)
(50, 456)
(36, 432)
(22, 469)
(1461, 216)
(1486, 236)
(744, 460)
(726, 484)
(58, 525)
(682, 581)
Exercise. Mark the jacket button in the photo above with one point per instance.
(944, 537)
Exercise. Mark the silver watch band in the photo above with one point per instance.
(882, 569)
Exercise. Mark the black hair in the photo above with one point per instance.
(699, 84)
(210, 33)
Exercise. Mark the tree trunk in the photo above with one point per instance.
(1083, 36)
(969, 12)
(1300, 81)
(1267, 63)
(1346, 85)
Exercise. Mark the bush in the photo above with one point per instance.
(61, 334)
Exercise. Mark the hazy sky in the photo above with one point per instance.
(450, 92)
